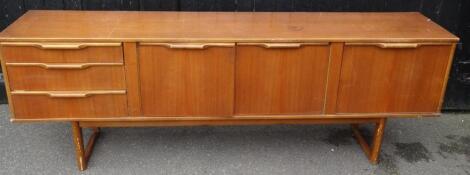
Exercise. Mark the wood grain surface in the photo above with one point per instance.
(230, 27)
(186, 82)
(246, 65)
(33, 54)
(280, 80)
(84, 67)
(132, 78)
(334, 73)
(43, 106)
(93, 78)
(381, 80)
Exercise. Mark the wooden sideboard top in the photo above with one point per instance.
(43, 25)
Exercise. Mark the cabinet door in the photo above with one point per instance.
(392, 78)
(187, 79)
(281, 78)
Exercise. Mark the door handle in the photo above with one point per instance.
(280, 45)
(396, 45)
(190, 45)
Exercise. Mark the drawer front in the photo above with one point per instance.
(71, 76)
(69, 104)
(281, 78)
(392, 78)
(18, 52)
(186, 79)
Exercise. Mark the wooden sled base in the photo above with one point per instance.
(371, 150)
(83, 153)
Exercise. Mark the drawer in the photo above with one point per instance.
(25, 52)
(393, 77)
(69, 76)
(69, 104)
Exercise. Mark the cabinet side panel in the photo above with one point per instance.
(7, 83)
(449, 66)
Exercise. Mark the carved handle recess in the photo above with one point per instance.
(394, 45)
(190, 45)
(280, 45)
(68, 94)
(60, 45)
(398, 45)
(64, 66)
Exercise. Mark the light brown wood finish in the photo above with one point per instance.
(7, 84)
(288, 68)
(79, 149)
(217, 122)
(371, 150)
(397, 45)
(446, 79)
(334, 72)
(236, 117)
(104, 77)
(68, 94)
(59, 66)
(391, 80)
(281, 45)
(43, 105)
(189, 45)
(58, 45)
(131, 59)
(225, 27)
(91, 54)
(64, 66)
(186, 81)
(83, 153)
(377, 140)
(281, 79)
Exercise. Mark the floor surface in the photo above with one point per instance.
(411, 146)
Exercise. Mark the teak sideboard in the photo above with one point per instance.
(125, 69)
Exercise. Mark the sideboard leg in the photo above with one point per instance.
(83, 154)
(377, 142)
(372, 151)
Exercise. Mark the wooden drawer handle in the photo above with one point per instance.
(64, 66)
(69, 94)
(280, 45)
(190, 45)
(60, 45)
